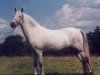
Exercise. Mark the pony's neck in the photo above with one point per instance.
(28, 24)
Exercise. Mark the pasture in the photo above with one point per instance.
(69, 65)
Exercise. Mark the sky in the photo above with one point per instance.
(52, 14)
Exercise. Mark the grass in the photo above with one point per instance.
(52, 65)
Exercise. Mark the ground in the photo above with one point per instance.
(69, 65)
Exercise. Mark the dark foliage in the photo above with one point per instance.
(94, 41)
(13, 46)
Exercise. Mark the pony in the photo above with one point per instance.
(41, 38)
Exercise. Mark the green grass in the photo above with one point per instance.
(52, 65)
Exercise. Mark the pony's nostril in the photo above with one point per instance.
(12, 24)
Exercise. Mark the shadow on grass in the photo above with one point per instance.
(56, 74)
(61, 74)
(45, 74)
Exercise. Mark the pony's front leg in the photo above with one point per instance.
(35, 63)
(36, 66)
(40, 61)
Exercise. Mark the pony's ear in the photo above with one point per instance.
(15, 9)
(22, 9)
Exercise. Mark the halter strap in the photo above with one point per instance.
(15, 19)
(18, 22)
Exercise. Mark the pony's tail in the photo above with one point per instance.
(85, 44)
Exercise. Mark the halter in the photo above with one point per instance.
(18, 22)
(16, 26)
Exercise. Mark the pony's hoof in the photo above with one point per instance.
(85, 73)
(91, 73)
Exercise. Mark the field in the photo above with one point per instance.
(52, 65)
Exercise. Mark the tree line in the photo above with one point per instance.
(15, 46)
(94, 41)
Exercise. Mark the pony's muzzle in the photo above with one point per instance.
(12, 24)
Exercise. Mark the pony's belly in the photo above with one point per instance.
(53, 47)
(50, 45)
(56, 45)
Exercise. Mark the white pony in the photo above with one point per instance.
(41, 38)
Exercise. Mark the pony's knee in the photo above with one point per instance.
(87, 59)
(84, 61)
(40, 64)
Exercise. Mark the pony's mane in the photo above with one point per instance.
(32, 20)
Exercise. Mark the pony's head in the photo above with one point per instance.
(17, 19)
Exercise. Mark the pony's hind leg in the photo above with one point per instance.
(85, 63)
(89, 65)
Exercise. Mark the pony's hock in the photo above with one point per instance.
(41, 38)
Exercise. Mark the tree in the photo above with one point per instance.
(94, 41)
(97, 30)
(13, 46)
